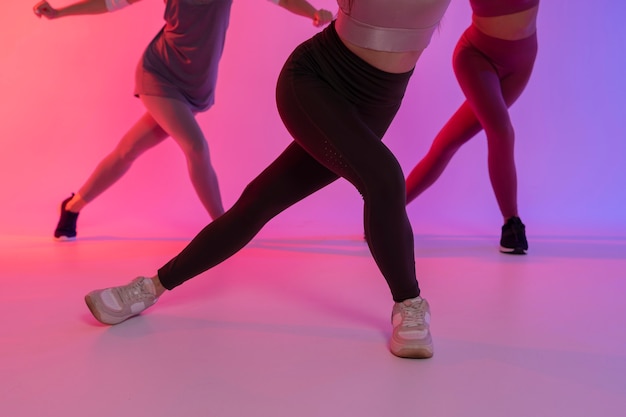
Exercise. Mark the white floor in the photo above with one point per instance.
(293, 327)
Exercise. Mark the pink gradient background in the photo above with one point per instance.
(297, 323)
(67, 99)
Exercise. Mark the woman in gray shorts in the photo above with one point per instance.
(175, 79)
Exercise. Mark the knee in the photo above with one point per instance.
(196, 152)
(132, 147)
(256, 200)
(196, 148)
(500, 134)
(444, 148)
(385, 185)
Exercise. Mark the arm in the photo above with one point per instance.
(84, 7)
(304, 8)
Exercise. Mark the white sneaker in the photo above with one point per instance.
(411, 329)
(116, 304)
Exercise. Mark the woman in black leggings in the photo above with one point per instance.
(337, 99)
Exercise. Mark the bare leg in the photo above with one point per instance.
(145, 134)
(179, 122)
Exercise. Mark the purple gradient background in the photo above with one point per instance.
(67, 99)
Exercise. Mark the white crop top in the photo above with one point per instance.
(389, 25)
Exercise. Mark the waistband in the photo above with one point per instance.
(330, 59)
(383, 39)
(473, 33)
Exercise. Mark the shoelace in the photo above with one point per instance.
(134, 292)
(414, 314)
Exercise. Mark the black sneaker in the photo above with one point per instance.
(66, 228)
(513, 238)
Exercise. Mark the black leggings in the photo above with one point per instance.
(337, 108)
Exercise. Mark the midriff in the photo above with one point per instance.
(509, 27)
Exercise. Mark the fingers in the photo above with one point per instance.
(322, 17)
(43, 8)
(38, 8)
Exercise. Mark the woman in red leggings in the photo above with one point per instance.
(492, 61)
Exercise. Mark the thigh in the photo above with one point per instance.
(514, 84)
(481, 85)
(143, 135)
(332, 130)
(291, 177)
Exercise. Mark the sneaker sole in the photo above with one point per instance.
(423, 351)
(104, 319)
(65, 239)
(513, 251)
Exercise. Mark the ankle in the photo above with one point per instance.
(507, 218)
(76, 204)
(159, 289)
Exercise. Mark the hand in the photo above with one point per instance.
(322, 17)
(44, 9)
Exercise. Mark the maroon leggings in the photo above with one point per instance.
(492, 74)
